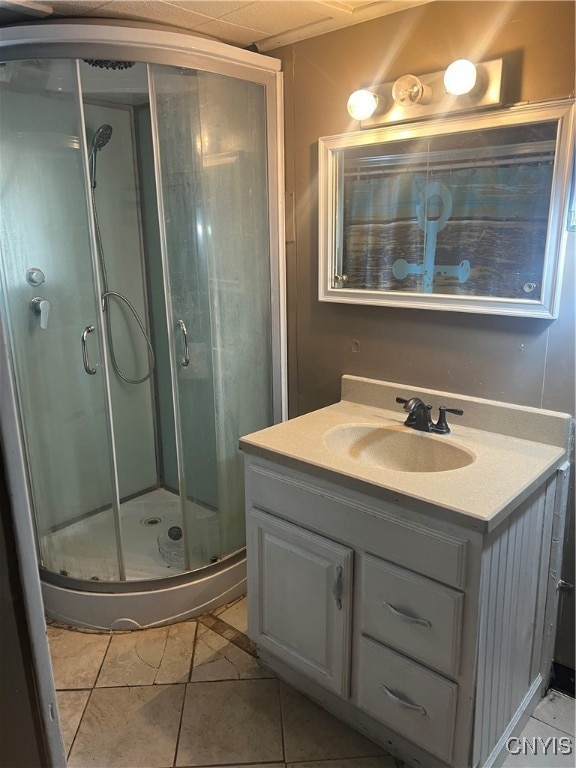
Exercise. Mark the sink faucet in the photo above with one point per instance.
(419, 415)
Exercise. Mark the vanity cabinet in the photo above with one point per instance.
(429, 636)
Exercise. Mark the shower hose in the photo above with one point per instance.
(106, 295)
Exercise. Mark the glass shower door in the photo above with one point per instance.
(211, 145)
(52, 310)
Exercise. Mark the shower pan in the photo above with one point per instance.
(141, 290)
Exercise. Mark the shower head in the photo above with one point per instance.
(100, 138)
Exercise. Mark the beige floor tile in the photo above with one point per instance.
(537, 745)
(76, 657)
(175, 664)
(237, 615)
(557, 710)
(311, 733)
(217, 659)
(129, 728)
(133, 658)
(231, 722)
(70, 710)
(384, 761)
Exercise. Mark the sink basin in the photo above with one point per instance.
(397, 448)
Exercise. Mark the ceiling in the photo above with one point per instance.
(265, 24)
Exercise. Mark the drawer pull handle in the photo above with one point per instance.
(337, 587)
(405, 617)
(402, 703)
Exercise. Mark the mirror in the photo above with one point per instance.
(464, 214)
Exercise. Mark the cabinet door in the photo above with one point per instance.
(299, 587)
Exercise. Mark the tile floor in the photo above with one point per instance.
(193, 694)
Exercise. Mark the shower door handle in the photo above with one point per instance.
(89, 370)
(185, 362)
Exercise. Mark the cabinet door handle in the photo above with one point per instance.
(337, 587)
(402, 702)
(405, 617)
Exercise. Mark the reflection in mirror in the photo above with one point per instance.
(465, 219)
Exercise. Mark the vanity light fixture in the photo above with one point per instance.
(463, 86)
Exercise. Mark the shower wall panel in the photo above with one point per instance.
(235, 189)
(117, 202)
(45, 225)
(213, 168)
(181, 179)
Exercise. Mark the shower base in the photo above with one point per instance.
(162, 602)
(157, 589)
(86, 549)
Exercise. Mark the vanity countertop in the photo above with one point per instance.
(518, 450)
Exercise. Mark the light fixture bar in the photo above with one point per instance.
(438, 102)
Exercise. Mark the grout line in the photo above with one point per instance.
(557, 728)
(102, 662)
(193, 656)
(90, 692)
(124, 686)
(281, 720)
(177, 744)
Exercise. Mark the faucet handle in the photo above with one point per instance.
(41, 307)
(441, 425)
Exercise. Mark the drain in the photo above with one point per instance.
(150, 520)
(175, 533)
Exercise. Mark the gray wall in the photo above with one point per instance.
(525, 361)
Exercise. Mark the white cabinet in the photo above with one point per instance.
(300, 585)
(426, 635)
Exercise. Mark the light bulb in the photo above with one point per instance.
(460, 77)
(409, 89)
(362, 104)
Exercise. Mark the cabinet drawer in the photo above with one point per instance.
(415, 615)
(410, 699)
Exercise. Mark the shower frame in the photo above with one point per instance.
(142, 603)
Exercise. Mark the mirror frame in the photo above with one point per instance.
(331, 154)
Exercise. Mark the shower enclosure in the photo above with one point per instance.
(140, 278)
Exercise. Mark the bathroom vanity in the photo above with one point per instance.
(404, 580)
